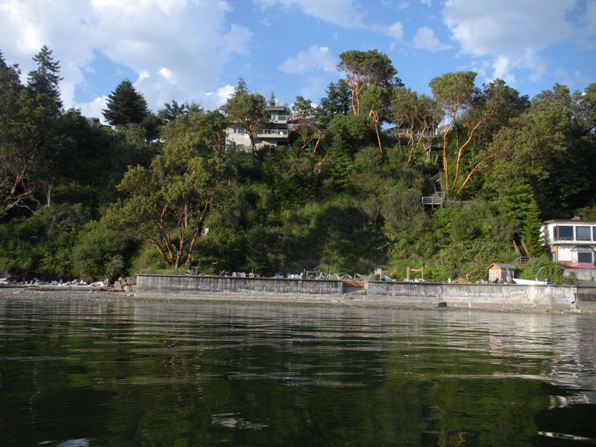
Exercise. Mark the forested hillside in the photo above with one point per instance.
(163, 191)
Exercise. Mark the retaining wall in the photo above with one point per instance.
(504, 296)
(429, 295)
(586, 298)
(193, 285)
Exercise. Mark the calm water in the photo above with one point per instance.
(85, 373)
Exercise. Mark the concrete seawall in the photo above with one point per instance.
(541, 298)
(196, 285)
(556, 298)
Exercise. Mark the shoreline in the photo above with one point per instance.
(346, 300)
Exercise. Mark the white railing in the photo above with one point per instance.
(273, 132)
(279, 118)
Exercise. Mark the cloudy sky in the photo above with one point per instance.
(195, 50)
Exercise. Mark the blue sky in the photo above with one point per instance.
(195, 50)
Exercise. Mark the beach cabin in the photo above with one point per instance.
(500, 272)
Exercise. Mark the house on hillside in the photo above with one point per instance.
(572, 244)
(274, 133)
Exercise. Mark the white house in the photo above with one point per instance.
(572, 244)
(275, 132)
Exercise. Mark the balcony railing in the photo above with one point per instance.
(278, 118)
(273, 133)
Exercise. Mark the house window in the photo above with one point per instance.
(584, 257)
(594, 233)
(564, 233)
(582, 233)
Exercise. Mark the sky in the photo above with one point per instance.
(196, 50)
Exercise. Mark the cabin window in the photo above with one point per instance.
(582, 233)
(584, 257)
(564, 233)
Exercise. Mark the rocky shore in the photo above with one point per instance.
(122, 284)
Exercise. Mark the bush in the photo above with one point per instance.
(101, 253)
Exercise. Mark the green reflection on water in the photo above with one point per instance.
(116, 373)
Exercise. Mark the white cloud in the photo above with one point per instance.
(428, 3)
(511, 32)
(403, 5)
(219, 97)
(94, 108)
(168, 75)
(315, 58)
(502, 66)
(343, 13)
(396, 31)
(425, 39)
(174, 46)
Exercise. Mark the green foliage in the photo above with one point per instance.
(125, 106)
(43, 82)
(542, 268)
(101, 253)
(370, 66)
(348, 133)
(167, 205)
(337, 102)
(41, 245)
(454, 91)
(246, 110)
(163, 191)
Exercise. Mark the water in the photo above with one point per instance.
(107, 372)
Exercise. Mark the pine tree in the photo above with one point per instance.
(43, 82)
(125, 106)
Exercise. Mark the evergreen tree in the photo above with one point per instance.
(125, 106)
(337, 102)
(9, 75)
(43, 81)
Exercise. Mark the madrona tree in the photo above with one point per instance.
(29, 127)
(167, 204)
(246, 110)
(363, 68)
(369, 73)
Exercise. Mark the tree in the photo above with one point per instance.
(337, 102)
(363, 68)
(173, 110)
(272, 101)
(9, 75)
(416, 116)
(125, 106)
(455, 93)
(302, 108)
(304, 123)
(247, 110)
(375, 99)
(44, 81)
(168, 204)
(28, 132)
(551, 146)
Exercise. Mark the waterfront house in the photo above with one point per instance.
(572, 244)
(274, 133)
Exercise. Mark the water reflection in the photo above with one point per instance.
(115, 372)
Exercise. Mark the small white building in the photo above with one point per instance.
(572, 244)
(274, 133)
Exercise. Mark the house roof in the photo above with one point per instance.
(502, 265)
(570, 221)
